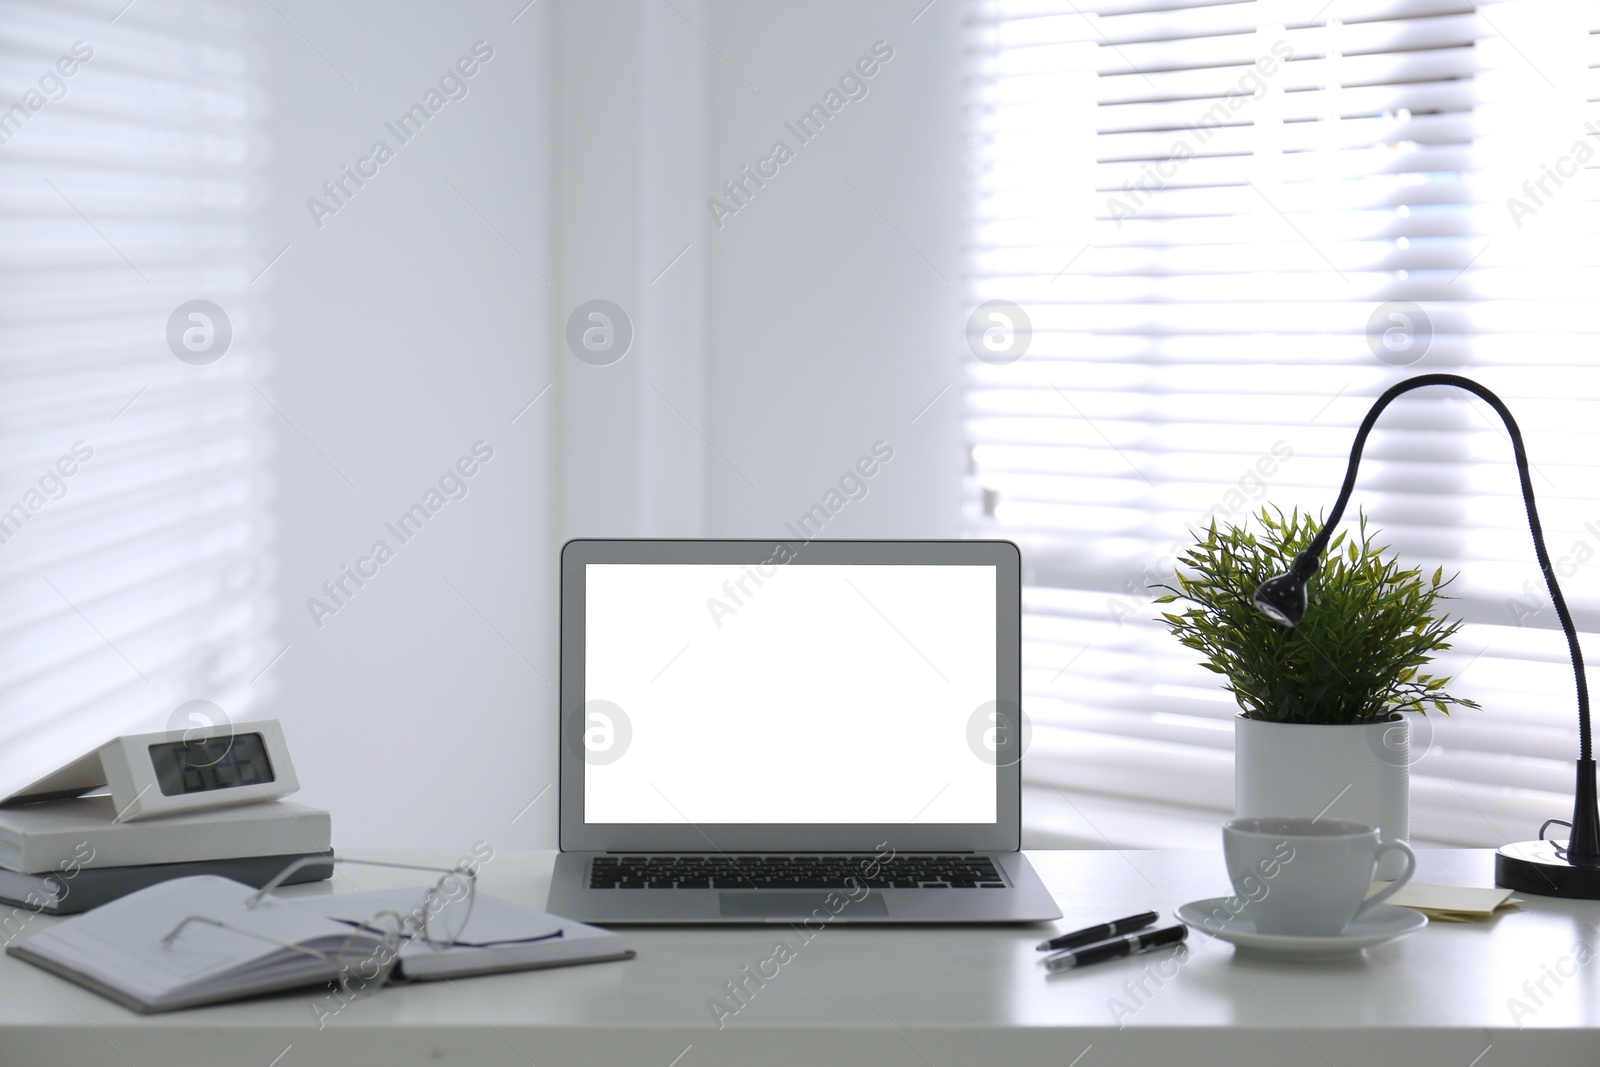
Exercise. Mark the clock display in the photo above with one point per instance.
(211, 763)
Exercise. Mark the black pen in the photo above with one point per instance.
(1113, 950)
(1089, 935)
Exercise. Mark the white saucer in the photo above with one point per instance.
(1385, 922)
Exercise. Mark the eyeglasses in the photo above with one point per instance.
(437, 921)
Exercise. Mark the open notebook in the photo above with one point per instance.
(116, 949)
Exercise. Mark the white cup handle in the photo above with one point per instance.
(1394, 887)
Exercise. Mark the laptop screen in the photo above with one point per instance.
(772, 694)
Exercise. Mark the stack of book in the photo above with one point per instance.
(59, 857)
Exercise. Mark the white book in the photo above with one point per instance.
(83, 832)
(68, 892)
(117, 950)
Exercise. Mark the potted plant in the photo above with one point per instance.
(1322, 728)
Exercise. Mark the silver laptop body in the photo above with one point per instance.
(783, 731)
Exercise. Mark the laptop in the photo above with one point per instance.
(782, 731)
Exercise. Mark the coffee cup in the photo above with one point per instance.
(1307, 877)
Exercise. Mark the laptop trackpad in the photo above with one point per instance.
(784, 904)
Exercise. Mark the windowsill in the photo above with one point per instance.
(1055, 818)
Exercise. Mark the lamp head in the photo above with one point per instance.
(1283, 597)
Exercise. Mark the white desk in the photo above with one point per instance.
(885, 996)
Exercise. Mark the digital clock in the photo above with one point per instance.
(226, 762)
(166, 773)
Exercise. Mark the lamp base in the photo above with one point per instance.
(1536, 867)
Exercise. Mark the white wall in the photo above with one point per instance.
(784, 344)
(786, 341)
(630, 119)
(407, 328)
(424, 313)
(831, 326)
(134, 576)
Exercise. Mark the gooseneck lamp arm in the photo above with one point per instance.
(1284, 597)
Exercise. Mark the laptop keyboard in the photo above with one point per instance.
(793, 872)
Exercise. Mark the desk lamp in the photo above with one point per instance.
(1543, 867)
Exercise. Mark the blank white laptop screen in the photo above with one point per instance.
(810, 694)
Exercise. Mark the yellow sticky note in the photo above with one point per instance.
(1449, 903)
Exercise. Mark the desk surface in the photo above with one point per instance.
(891, 996)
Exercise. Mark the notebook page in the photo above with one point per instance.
(499, 935)
(119, 944)
(493, 921)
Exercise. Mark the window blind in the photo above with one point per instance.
(1228, 227)
(133, 541)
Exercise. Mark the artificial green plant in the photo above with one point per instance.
(1358, 654)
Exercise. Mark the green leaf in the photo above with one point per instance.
(1355, 658)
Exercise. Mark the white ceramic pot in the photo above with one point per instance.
(1361, 773)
